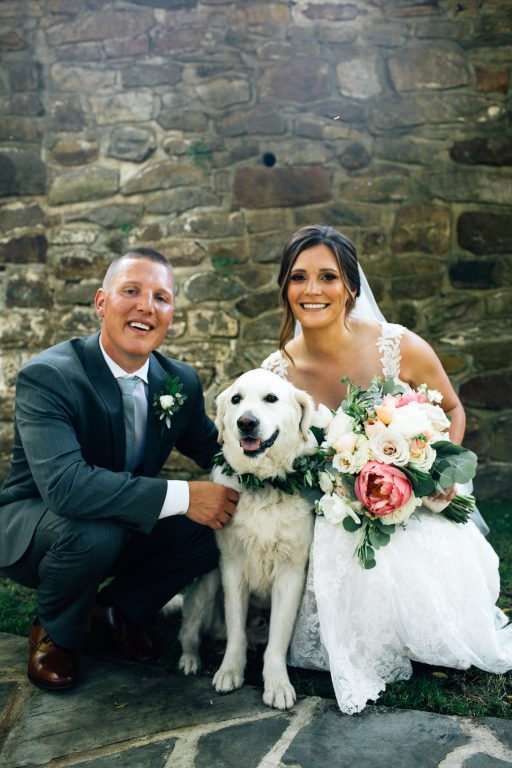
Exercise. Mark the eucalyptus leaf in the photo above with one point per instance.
(350, 525)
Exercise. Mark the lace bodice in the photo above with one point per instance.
(388, 344)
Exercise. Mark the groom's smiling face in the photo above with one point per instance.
(316, 291)
(136, 306)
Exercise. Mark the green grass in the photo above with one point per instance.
(431, 689)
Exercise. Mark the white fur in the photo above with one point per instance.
(265, 547)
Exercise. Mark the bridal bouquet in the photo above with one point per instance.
(384, 452)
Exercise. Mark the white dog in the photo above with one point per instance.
(263, 424)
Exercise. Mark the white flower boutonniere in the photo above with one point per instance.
(169, 401)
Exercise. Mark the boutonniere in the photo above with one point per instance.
(168, 402)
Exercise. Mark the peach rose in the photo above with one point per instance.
(382, 488)
(385, 411)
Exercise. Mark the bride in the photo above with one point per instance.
(431, 598)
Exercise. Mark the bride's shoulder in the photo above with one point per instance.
(276, 363)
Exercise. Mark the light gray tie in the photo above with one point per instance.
(127, 386)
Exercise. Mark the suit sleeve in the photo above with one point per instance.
(47, 417)
(199, 440)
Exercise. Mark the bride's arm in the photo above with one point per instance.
(421, 365)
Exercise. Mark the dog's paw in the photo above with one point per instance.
(189, 663)
(226, 680)
(280, 695)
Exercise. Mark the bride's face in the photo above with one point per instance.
(316, 291)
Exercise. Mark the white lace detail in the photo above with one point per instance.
(419, 603)
(276, 363)
(389, 348)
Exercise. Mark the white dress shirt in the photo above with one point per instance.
(177, 497)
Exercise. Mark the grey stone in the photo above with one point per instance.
(68, 113)
(166, 73)
(501, 729)
(223, 92)
(463, 184)
(359, 77)
(415, 740)
(20, 129)
(28, 289)
(22, 172)
(86, 184)
(83, 79)
(424, 67)
(182, 199)
(25, 75)
(257, 303)
(19, 215)
(23, 250)
(127, 143)
(248, 744)
(208, 224)
(163, 175)
(209, 286)
(127, 107)
(211, 322)
(111, 216)
(265, 328)
(154, 755)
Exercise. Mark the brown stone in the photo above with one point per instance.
(182, 199)
(23, 250)
(166, 42)
(257, 303)
(490, 80)
(223, 92)
(163, 175)
(129, 106)
(73, 262)
(19, 215)
(127, 48)
(68, 114)
(500, 438)
(28, 289)
(475, 274)
(454, 310)
(151, 74)
(421, 228)
(301, 80)
(425, 67)
(484, 232)
(267, 187)
(416, 278)
(110, 216)
(487, 391)
(355, 157)
(129, 143)
(482, 151)
(100, 26)
(74, 151)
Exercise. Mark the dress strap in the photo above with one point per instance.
(389, 348)
(276, 363)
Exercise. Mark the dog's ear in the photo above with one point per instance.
(221, 403)
(307, 405)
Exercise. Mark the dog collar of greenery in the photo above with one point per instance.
(302, 479)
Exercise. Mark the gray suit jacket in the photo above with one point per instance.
(69, 443)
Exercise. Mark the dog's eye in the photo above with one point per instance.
(271, 398)
(235, 399)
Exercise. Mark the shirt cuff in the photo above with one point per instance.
(176, 499)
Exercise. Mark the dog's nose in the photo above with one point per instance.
(247, 423)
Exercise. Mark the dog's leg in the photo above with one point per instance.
(230, 674)
(286, 593)
(198, 608)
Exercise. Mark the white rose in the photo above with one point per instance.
(389, 447)
(322, 417)
(401, 514)
(411, 420)
(353, 461)
(340, 425)
(336, 509)
(325, 482)
(423, 458)
(166, 402)
(371, 426)
(438, 418)
(434, 395)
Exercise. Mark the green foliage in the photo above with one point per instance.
(199, 153)
(224, 263)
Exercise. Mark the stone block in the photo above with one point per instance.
(86, 184)
(428, 68)
(265, 121)
(208, 224)
(266, 248)
(25, 75)
(27, 103)
(109, 24)
(68, 113)
(249, 743)
(182, 199)
(183, 120)
(168, 5)
(355, 157)
(492, 481)
(498, 303)
(209, 286)
(206, 323)
(127, 107)
(183, 253)
(166, 73)
(11, 41)
(358, 77)
(475, 274)
(20, 129)
(491, 390)
(268, 187)
(492, 80)
(223, 92)
(28, 289)
(70, 151)
(453, 310)
(478, 185)
(128, 47)
(421, 228)
(167, 42)
(491, 354)
(110, 216)
(302, 80)
(24, 250)
(80, 52)
(79, 263)
(22, 172)
(265, 328)
(257, 303)
(394, 187)
(164, 175)
(332, 11)
(392, 112)
(91, 79)
(20, 215)
(128, 143)
(482, 151)
(484, 232)
(28, 329)
(416, 278)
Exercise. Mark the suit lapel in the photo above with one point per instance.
(154, 430)
(108, 390)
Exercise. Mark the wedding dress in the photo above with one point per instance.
(431, 597)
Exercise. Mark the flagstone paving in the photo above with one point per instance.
(137, 716)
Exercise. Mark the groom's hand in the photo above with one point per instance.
(211, 504)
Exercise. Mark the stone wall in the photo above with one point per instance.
(213, 129)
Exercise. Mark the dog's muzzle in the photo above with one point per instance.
(250, 442)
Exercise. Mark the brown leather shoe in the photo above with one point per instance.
(49, 666)
(124, 639)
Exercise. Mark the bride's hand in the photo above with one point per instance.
(447, 495)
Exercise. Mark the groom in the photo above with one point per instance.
(82, 501)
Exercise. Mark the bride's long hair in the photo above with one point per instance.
(345, 254)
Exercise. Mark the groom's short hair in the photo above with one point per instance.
(151, 254)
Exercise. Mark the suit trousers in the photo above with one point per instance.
(68, 559)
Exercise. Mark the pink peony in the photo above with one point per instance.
(410, 397)
(382, 488)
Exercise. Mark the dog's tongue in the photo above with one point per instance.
(250, 443)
